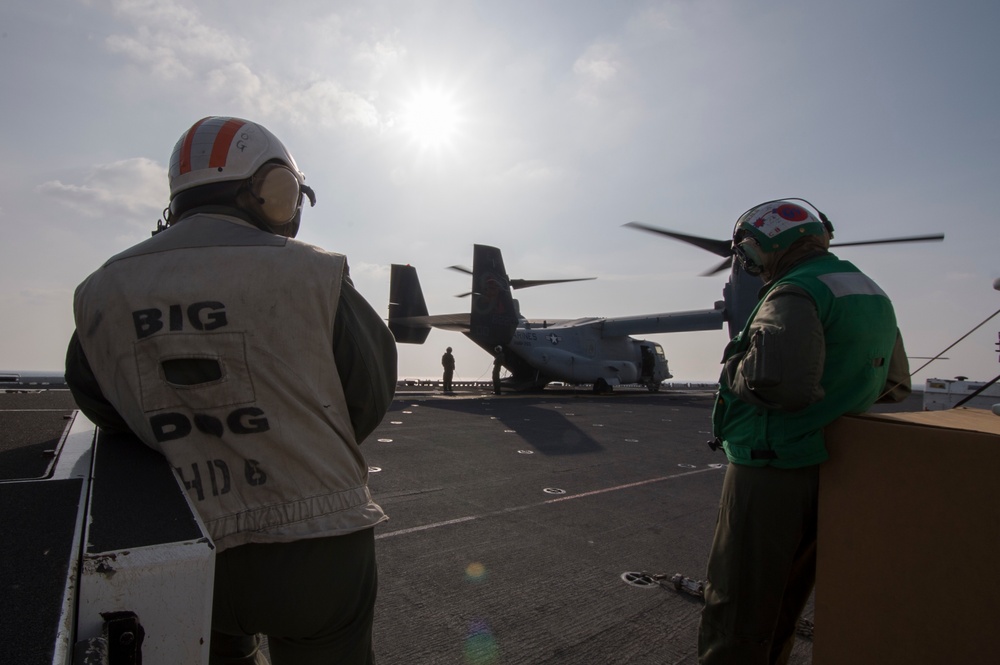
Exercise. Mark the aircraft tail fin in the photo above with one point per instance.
(406, 300)
(494, 316)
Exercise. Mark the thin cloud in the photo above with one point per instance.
(331, 104)
(531, 171)
(179, 44)
(128, 188)
(173, 40)
(598, 65)
(379, 58)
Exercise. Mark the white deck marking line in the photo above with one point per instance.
(505, 511)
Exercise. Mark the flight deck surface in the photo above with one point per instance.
(513, 519)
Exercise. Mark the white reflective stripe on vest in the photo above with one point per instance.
(851, 284)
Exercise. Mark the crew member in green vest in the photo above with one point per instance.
(822, 342)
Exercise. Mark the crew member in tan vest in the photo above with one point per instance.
(249, 358)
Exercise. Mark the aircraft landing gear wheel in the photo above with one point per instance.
(601, 386)
(653, 387)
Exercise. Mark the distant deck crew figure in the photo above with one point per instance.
(241, 353)
(822, 342)
(498, 359)
(448, 363)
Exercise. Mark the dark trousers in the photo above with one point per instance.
(762, 567)
(314, 599)
(448, 373)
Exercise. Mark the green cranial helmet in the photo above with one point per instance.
(777, 224)
(773, 227)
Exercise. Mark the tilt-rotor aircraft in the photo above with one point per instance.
(598, 351)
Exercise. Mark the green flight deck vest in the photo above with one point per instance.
(859, 326)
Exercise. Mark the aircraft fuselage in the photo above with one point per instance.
(576, 352)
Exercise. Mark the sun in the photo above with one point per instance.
(431, 118)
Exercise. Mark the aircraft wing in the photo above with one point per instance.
(456, 322)
(667, 322)
(544, 323)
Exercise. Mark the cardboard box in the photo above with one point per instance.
(908, 548)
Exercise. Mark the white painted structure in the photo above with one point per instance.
(940, 394)
(165, 581)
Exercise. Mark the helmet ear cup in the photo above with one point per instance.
(274, 194)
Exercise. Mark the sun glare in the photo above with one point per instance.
(431, 118)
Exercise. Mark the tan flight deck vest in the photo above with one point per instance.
(266, 449)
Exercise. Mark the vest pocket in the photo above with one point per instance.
(762, 364)
(196, 370)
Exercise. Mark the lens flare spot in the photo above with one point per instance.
(480, 646)
(475, 572)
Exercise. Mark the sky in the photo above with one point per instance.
(537, 127)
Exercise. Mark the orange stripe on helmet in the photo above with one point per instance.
(220, 148)
(184, 166)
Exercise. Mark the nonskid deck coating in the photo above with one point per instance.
(512, 519)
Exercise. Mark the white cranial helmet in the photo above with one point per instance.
(218, 150)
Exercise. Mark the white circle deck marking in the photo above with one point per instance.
(527, 452)
(374, 469)
(385, 440)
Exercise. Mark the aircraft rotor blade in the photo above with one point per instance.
(931, 237)
(467, 271)
(723, 248)
(725, 265)
(525, 283)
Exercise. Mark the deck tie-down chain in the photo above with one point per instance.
(696, 588)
